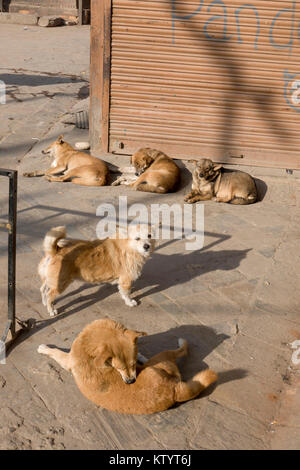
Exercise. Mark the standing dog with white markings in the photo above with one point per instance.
(116, 261)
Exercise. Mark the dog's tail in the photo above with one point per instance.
(52, 238)
(185, 391)
(32, 174)
(251, 199)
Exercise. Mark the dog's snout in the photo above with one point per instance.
(146, 246)
(130, 381)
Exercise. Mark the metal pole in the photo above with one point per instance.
(12, 219)
(11, 227)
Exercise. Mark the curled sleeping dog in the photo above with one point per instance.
(155, 172)
(72, 165)
(117, 260)
(103, 361)
(210, 181)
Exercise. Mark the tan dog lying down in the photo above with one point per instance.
(155, 172)
(210, 181)
(103, 362)
(77, 167)
(116, 261)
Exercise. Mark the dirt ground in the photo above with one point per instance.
(236, 300)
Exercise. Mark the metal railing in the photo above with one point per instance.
(11, 227)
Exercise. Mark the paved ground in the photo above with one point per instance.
(236, 300)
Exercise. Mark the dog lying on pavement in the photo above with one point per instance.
(210, 182)
(103, 361)
(116, 261)
(72, 165)
(155, 172)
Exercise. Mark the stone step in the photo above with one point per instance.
(18, 18)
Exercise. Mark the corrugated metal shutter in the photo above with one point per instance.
(214, 79)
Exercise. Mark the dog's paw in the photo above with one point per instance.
(42, 349)
(53, 312)
(131, 303)
(188, 199)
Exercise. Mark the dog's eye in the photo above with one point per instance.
(149, 236)
(137, 238)
(108, 361)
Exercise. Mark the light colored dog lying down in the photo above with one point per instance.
(103, 361)
(71, 165)
(116, 261)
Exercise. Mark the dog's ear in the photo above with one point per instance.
(60, 139)
(103, 355)
(62, 242)
(148, 160)
(153, 153)
(134, 335)
(217, 167)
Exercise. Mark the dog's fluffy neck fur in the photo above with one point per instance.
(132, 260)
(134, 264)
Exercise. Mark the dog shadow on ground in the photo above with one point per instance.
(202, 341)
(262, 189)
(186, 178)
(165, 271)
